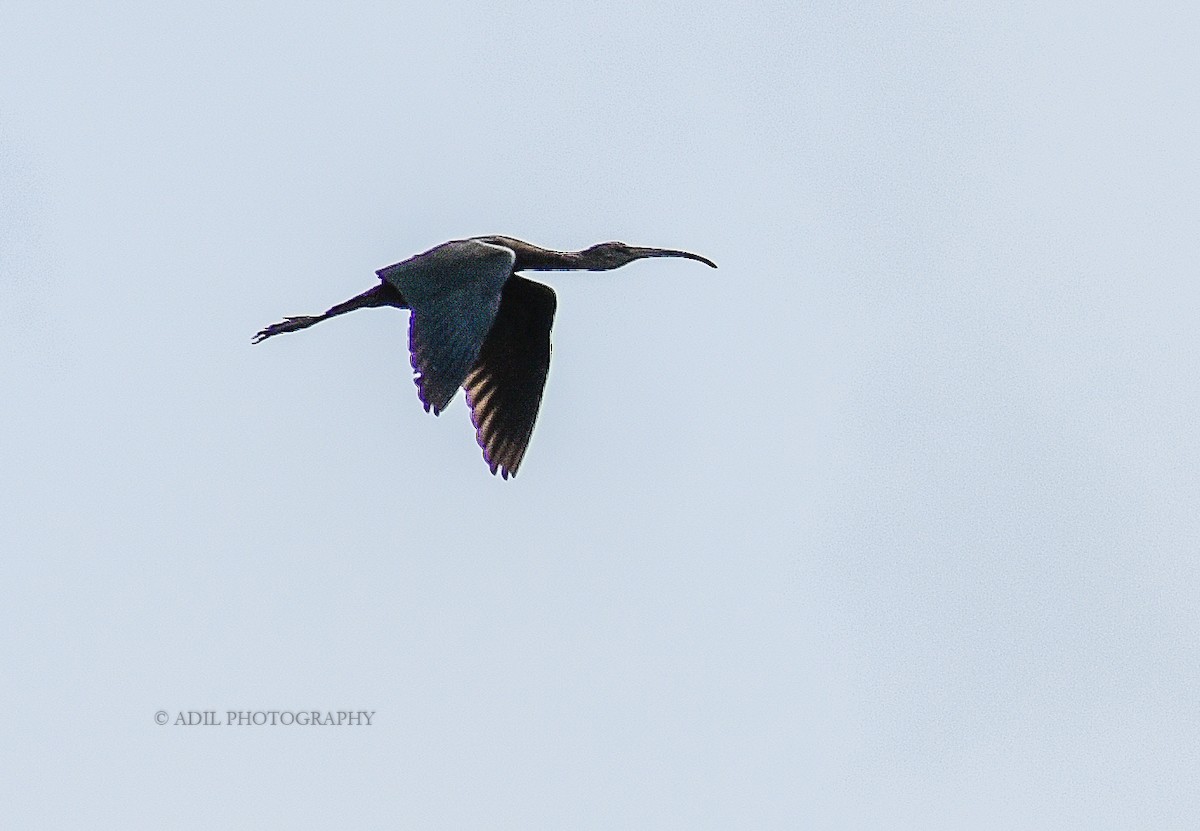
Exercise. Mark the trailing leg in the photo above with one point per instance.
(382, 295)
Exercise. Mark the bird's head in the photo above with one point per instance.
(608, 255)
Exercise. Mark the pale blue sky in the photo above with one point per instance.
(890, 522)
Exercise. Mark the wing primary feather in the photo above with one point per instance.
(504, 388)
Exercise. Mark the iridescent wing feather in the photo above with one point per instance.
(454, 292)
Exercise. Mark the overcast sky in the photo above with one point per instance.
(889, 522)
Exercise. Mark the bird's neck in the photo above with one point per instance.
(533, 258)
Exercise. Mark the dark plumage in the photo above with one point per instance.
(477, 324)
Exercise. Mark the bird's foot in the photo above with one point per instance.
(288, 324)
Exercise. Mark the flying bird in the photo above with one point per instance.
(476, 323)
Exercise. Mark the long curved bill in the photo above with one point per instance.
(668, 252)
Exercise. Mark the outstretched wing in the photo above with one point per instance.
(454, 293)
(504, 388)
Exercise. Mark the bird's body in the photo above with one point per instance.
(478, 324)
